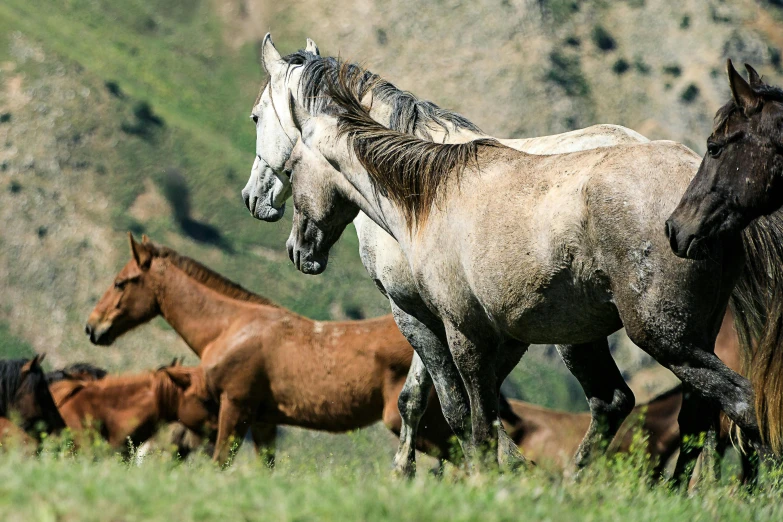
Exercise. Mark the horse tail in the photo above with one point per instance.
(757, 304)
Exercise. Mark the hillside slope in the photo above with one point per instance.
(133, 116)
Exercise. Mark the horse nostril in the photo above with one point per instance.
(246, 199)
(667, 229)
(88, 330)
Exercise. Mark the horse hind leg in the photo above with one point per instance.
(412, 403)
(608, 396)
(264, 439)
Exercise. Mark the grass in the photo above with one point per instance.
(318, 480)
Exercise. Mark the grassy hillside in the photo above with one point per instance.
(133, 116)
(134, 119)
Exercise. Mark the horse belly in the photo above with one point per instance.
(561, 313)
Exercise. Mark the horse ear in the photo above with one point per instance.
(312, 48)
(34, 363)
(140, 252)
(179, 377)
(270, 58)
(298, 113)
(145, 239)
(743, 94)
(753, 76)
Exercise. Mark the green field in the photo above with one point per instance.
(351, 481)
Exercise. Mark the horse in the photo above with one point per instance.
(568, 255)
(124, 408)
(734, 198)
(385, 262)
(264, 365)
(550, 437)
(25, 398)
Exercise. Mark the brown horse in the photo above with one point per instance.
(552, 437)
(24, 395)
(132, 407)
(264, 365)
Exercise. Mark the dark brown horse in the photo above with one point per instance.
(737, 192)
(26, 407)
(132, 407)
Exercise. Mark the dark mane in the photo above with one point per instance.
(11, 381)
(408, 170)
(207, 276)
(409, 114)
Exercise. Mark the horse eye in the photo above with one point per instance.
(714, 149)
(254, 118)
(120, 285)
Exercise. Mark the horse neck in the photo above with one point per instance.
(357, 186)
(197, 313)
(167, 396)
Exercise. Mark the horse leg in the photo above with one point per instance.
(412, 403)
(477, 361)
(422, 333)
(609, 397)
(697, 416)
(232, 426)
(264, 438)
(509, 456)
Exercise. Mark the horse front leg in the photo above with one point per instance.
(232, 426)
(265, 439)
(438, 369)
(608, 396)
(476, 357)
(412, 403)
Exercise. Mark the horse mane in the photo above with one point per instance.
(408, 170)
(757, 305)
(206, 276)
(409, 114)
(96, 372)
(10, 381)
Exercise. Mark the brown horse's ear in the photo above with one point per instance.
(754, 77)
(179, 377)
(741, 91)
(145, 239)
(140, 252)
(34, 363)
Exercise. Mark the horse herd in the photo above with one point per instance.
(482, 246)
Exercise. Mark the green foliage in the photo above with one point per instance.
(690, 93)
(12, 347)
(565, 70)
(621, 66)
(602, 39)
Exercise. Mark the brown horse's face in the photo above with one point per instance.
(740, 176)
(33, 400)
(129, 302)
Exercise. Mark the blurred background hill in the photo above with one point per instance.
(118, 116)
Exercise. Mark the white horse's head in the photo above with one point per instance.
(269, 187)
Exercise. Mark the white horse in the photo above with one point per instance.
(383, 258)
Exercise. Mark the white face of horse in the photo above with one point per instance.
(268, 188)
